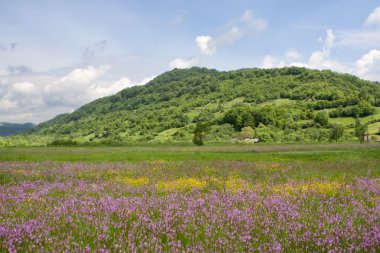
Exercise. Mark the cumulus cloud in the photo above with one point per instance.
(271, 61)
(183, 64)
(34, 101)
(85, 75)
(292, 54)
(19, 94)
(373, 18)
(24, 88)
(104, 89)
(147, 79)
(230, 32)
(204, 44)
(75, 88)
(368, 65)
(319, 59)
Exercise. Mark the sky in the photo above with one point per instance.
(56, 56)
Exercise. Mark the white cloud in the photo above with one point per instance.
(272, 62)
(319, 59)
(329, 64)
(253, 24)
(368, 65)
(365, 38)
(106, 89)
(6, 104)
(183, 64)
(34, 101)
(122, 83)
(230, 36)
(101, 89)
(19, 94)
(147, 79)
(24, 88)
(298, 64)
(373, 18)
(84, 75)
(329, 42)
(292, 54)
(230, 32)
(76, 88)
(204, 44)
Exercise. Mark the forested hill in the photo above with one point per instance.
(8, 129)
(278, 104)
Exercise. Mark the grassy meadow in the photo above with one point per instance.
(262, 198)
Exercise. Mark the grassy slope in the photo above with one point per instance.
(344, 121)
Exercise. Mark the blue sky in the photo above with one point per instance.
(58, 55)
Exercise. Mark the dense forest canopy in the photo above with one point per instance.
(280, 105)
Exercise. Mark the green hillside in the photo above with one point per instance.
(8, 129)
(281, 105)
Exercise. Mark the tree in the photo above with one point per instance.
(360, 130)
(200, 128)
(263, 133)
(336, 132)
(365, 108)
(246, 133)
(315, 134)
(204, 116)
(239, 117)
(322, 118)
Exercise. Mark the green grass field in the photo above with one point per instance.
(310, 152)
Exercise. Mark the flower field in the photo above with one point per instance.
(189, 207)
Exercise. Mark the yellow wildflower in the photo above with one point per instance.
(181, 184)
(238, 184)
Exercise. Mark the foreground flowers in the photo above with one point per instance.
(87, 208)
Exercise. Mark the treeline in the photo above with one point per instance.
(277, 116)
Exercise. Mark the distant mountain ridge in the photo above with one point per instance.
(9, 129)
(167, 108)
